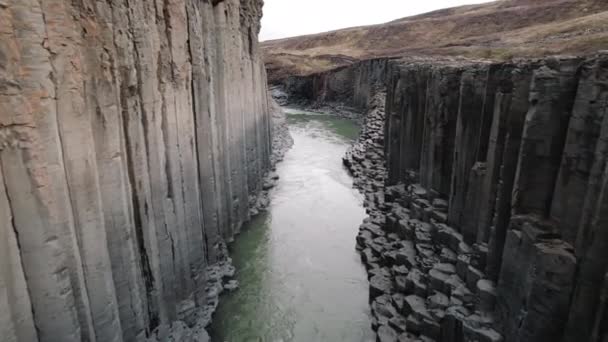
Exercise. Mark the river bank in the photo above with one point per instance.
(299, 274)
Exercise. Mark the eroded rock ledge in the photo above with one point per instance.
(135, 137)
(485, 186)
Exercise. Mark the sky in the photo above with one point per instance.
(288, 18)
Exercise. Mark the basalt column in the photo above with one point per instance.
(517, 152)
(490, 224)
(133, 136)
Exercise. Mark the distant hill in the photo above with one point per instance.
(498, 30)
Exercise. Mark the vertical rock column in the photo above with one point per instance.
(405, 112)
(133, 134)
(581, 198)
(552, 95)
(467, 145)
(74, 73)
(526, 186)
(515, 117)
(34, 176)
(440, 128)
(16, 320)
(139, 187)
(203, 106)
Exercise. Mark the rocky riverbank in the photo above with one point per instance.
(333, 108)
(422, 287)
(422, 284)
(281, 143)
(486, 189)
(195, 318)
(344, 92)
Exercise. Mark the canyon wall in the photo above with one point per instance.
(351, 86)
(486, 187)
(133, 136)
(518, 152)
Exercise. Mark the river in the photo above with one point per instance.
(300, 276)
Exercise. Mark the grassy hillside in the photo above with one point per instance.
(498, 30)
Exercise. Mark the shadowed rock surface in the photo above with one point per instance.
(485, 187)
(134, 139)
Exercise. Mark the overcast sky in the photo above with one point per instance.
(287, 18)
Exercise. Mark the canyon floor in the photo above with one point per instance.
(299, 274)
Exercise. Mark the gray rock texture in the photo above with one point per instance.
(133, 136)
(485, 185)
(345, 91)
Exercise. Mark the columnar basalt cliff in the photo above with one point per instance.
(485, 185)
(517, 151)
(134, 138)
(350, 87)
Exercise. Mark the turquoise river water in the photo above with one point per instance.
(300, 276)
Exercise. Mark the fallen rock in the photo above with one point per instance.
(379, 285)
(406, 256)
(416, 283)
(486, 291)
(438, 301)
(386, 334)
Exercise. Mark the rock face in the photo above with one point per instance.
(351, 87)
(133, 137)
(517, 151)
(485, 185)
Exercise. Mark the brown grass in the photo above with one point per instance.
(499, 30)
